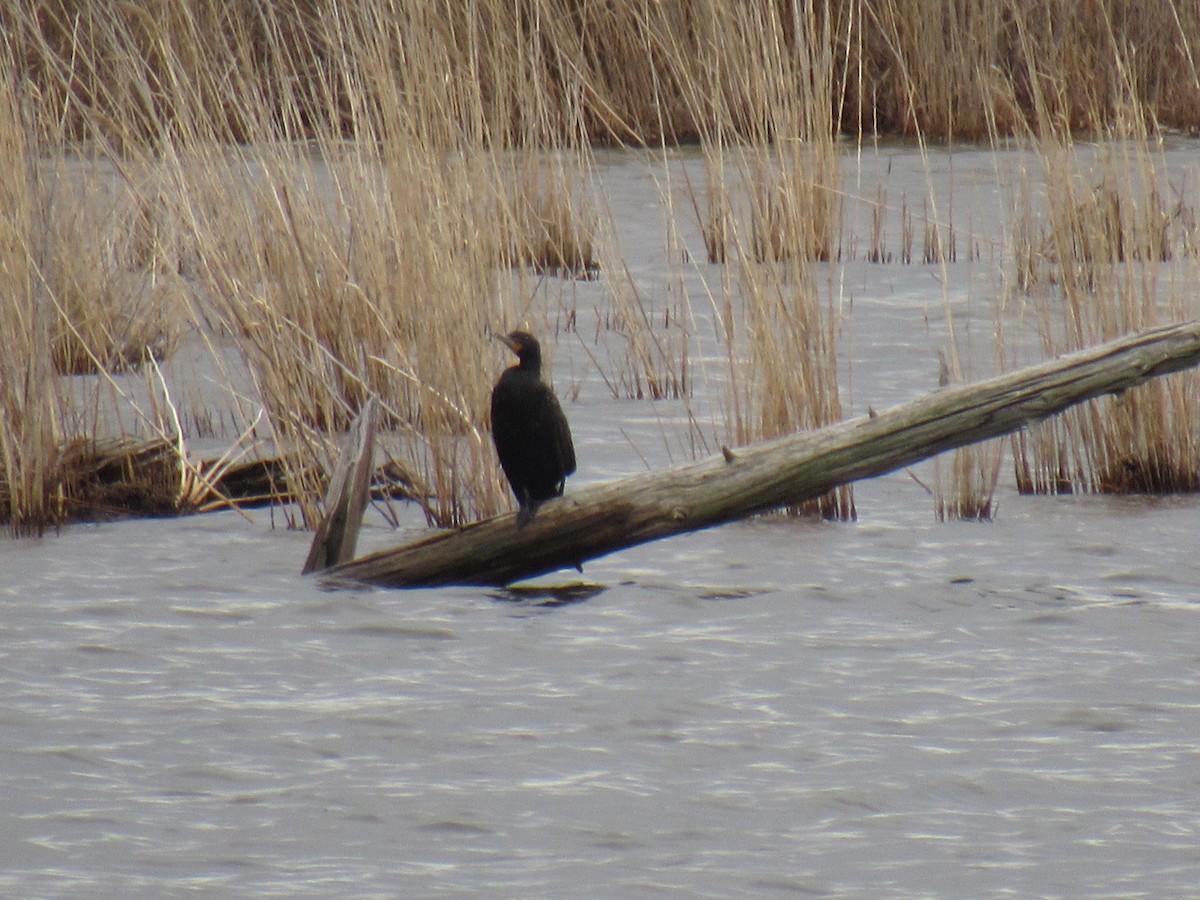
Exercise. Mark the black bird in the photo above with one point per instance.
(531, 433)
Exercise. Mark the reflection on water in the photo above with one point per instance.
(549, 595)
(892, 708)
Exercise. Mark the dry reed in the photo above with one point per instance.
(112, 272)
(614, 71)
(1108, 258)
(332, 191)
(30, 399)
(771, 214)
(965, 480)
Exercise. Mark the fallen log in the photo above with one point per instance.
(601, 518)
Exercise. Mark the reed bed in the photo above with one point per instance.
(1109, 255)
(771, 214)
(618, 71)
(551, 223)
(965, 483)
(350, 270)
(30, 397)
(110, 263)
(82, 292)
(340, 194)
(336, 269)
(652, 361)
(778, 320)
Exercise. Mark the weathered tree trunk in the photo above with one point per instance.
(598, 519)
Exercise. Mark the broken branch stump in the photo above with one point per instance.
(347, 496)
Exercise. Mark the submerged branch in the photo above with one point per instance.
(602, 518)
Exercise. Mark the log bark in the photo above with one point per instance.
(598, 519)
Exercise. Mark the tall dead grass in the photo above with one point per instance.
(337, 191)
(110, 263)
(771, 214)
(90, 286)
(618, 71)
(336, 269)
(1107, 255)
(30, 400)
(1110, 256)
(350, 269)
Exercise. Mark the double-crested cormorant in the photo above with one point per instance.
(531, 433)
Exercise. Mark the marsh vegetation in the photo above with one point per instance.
(228, 225)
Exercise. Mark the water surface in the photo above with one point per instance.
(779, 707)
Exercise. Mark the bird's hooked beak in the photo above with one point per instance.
(514, 346)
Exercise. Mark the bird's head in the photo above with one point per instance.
(525, 345)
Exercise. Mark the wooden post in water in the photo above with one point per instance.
(601, 518)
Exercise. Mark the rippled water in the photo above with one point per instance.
(891, 708)
(894, 708)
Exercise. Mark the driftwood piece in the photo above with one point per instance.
(347, 495)
(601, 518)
